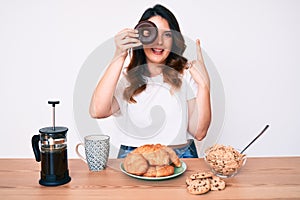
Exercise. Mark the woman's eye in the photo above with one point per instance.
(168, 34)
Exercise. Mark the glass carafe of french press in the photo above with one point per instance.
(53, 153)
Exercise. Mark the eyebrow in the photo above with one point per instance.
(167, 31)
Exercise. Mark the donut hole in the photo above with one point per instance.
(146, 33)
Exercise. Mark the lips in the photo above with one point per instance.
(157, 51)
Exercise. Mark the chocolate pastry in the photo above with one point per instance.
(147, 31)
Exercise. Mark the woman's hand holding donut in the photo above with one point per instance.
(103, 103)
(198, 70)
(125, 40)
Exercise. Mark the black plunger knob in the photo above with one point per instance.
(53, 103)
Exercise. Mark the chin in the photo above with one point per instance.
(158, 59)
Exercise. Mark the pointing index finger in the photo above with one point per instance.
(199, 52)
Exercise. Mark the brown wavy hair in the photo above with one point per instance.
(175, 62)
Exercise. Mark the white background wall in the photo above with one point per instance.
(254, 45)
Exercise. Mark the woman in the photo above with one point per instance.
(159, 62)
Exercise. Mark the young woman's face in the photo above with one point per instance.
(159, 50)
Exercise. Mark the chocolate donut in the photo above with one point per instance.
(147, 31)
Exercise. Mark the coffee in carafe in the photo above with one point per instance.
(53, 154)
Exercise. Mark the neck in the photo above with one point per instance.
(154, 69)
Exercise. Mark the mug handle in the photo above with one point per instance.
(78, 153)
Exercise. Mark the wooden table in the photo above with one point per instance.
(261, 178)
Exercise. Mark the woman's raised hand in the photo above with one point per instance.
(197, 68)
(125, 40)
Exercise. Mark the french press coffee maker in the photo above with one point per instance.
(53, 153)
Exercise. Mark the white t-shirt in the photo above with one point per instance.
(158, 116)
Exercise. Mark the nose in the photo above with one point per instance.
(160, 39)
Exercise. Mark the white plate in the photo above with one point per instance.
(177, 171)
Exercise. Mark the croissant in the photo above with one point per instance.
(152, 161)
(159, 171)
(135, 164)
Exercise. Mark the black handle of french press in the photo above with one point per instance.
(35, 146)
